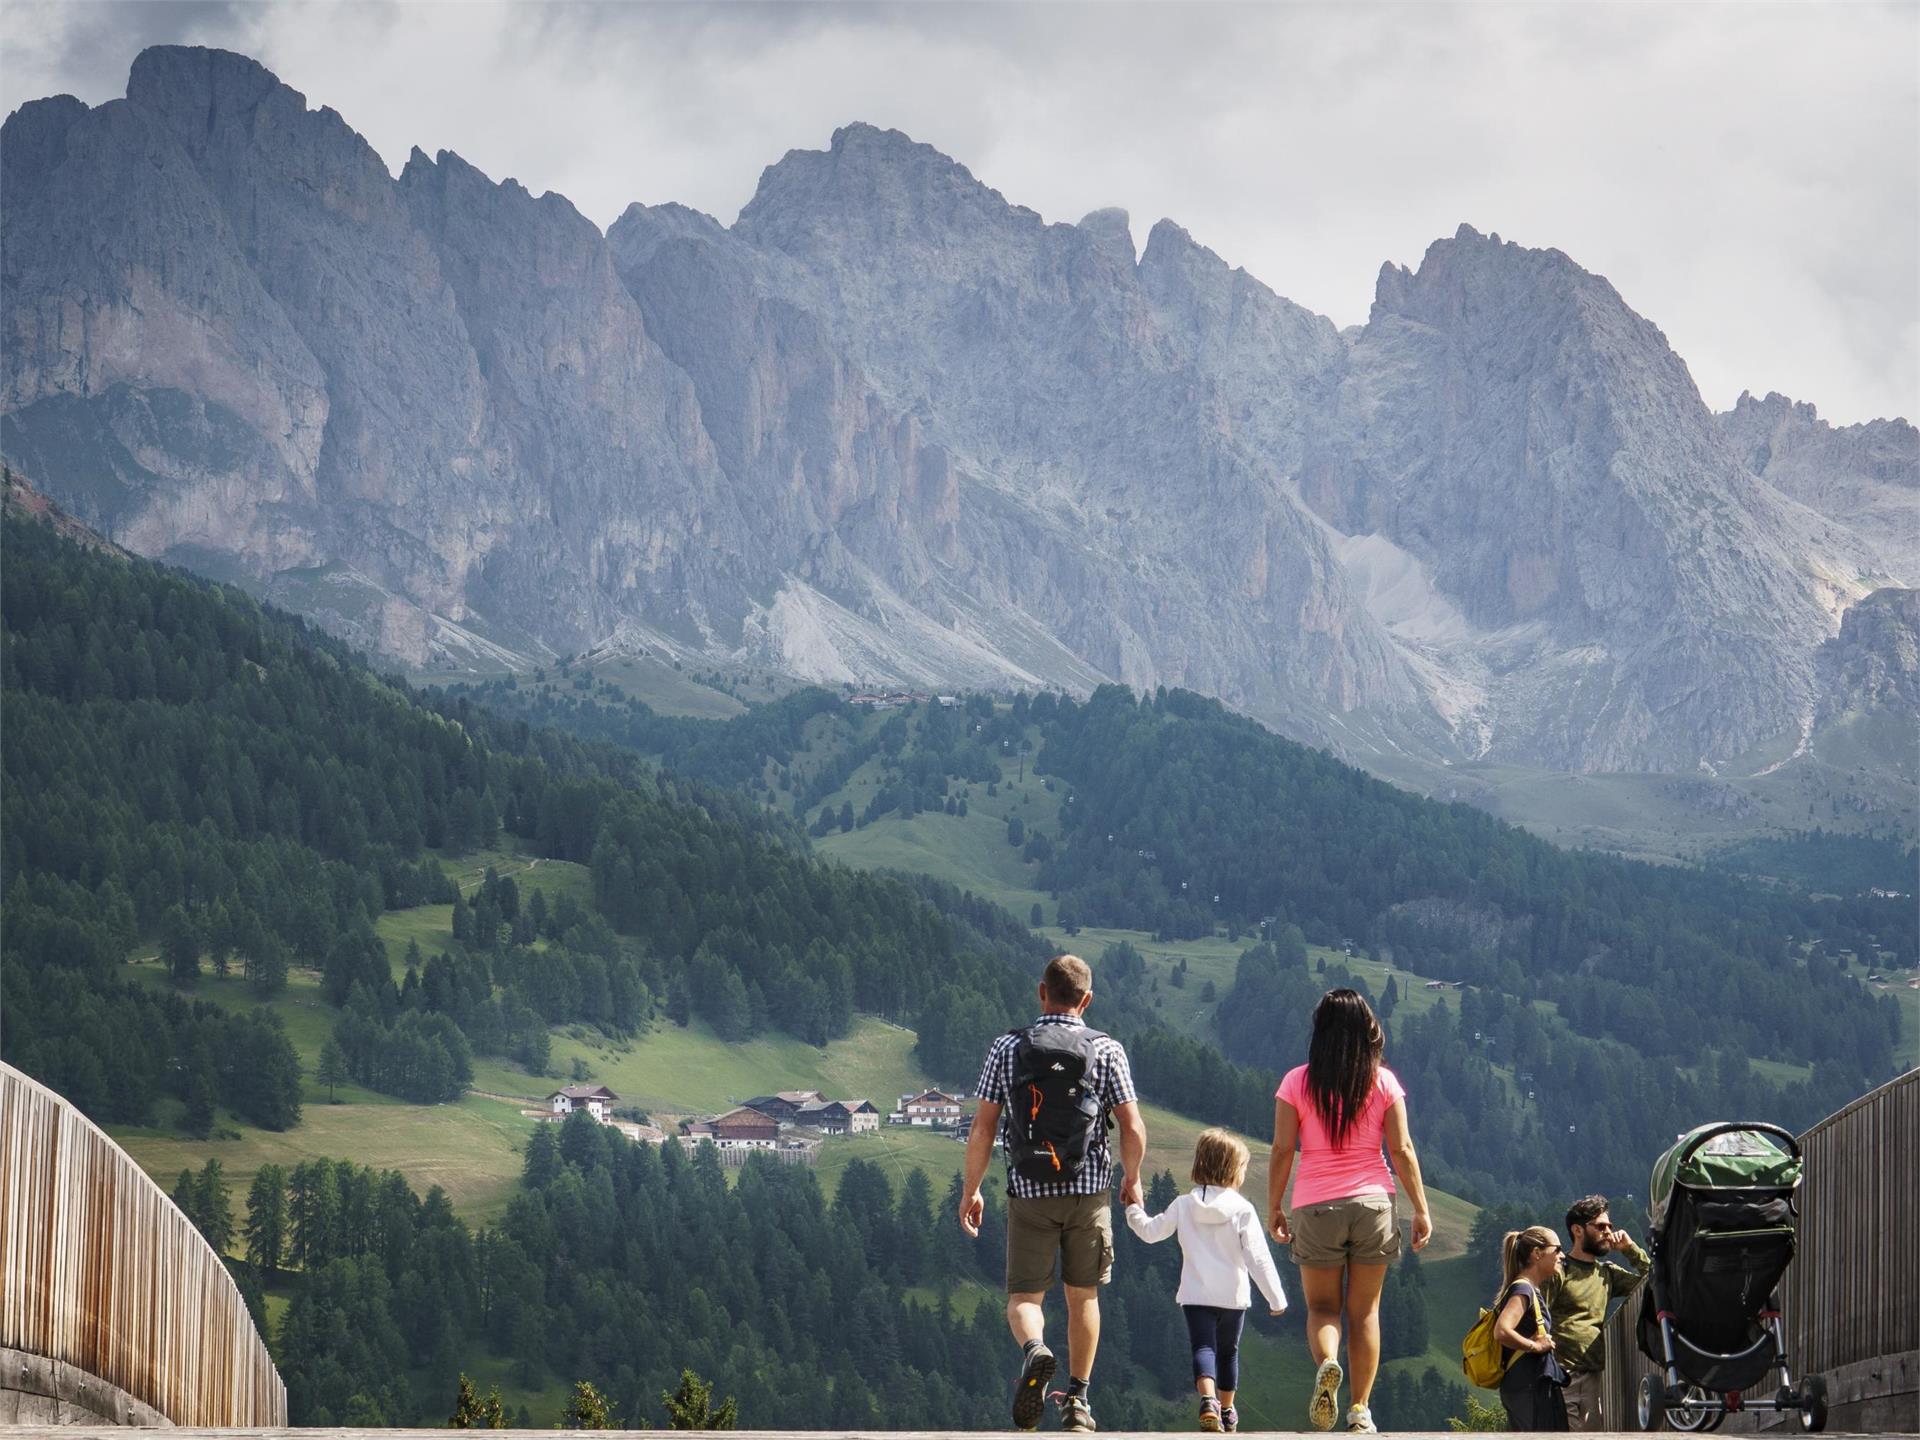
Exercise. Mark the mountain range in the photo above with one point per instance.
(891, 428)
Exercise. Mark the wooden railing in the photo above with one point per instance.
(99, 1269)
(1849, 1305)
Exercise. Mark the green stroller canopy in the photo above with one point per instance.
(1734, 1159)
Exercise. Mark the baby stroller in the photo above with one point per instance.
(1721, 1217)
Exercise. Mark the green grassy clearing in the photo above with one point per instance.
(673, 1071)
(897, 1149)
(431, 926)
(428, 926)
(308, 1019)
(529, 872)
(970, 851)
(1780, 1072)
(471, 1150)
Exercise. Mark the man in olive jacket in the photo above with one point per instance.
(1578, 1298)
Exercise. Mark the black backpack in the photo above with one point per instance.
(1052, 1110)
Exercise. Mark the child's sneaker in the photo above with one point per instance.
(1324, 1408)
(1210, 1415)
(1230, 1419)
(1030, 1390)
(1075, 1413)
(1360, 1421)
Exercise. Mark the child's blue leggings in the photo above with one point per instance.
(1215, 1336)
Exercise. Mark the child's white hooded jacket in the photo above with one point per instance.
(1222, 1244)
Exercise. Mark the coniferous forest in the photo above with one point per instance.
(192, 776)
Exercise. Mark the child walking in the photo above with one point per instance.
(1222, 1247)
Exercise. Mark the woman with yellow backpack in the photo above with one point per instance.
(1511, 1348)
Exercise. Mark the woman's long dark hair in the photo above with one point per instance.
(1344, 1059)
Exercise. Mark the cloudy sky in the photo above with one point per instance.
(1748, 176)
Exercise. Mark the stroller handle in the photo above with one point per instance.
(1729, 1127)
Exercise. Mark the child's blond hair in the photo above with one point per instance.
(1219, 1158)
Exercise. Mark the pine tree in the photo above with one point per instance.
(470, 1412)
(691, 1406)
(200, 1091)
(215, 1217)
(180, 945)
(333, 1067)
(589, 1409)
(266, 1229)
(186, 1195)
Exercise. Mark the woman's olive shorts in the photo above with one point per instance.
(1359, 1230)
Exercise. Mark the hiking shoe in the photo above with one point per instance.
(1360, 1421)
(1030, 1390)
(1075, 1413)
(1230, 1419)
(1210, 1415)
(1324, 1408)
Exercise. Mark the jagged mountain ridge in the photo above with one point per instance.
(889, 426)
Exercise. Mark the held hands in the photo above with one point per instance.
(1130, 1192)
(1422, 1229)
(972, 1210)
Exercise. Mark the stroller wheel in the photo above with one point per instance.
(1650, 1407)
(1695, 1421)
(1813, 1403)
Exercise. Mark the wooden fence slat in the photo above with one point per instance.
(98, 1268)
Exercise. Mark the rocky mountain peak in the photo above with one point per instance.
(1776, 407)
(891, 428)
(1471, 274)
(1111, 230)
(873, 186)
(189, 79)
(1170, 246)
(34, 134)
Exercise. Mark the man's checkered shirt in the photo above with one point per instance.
(1112, 1080)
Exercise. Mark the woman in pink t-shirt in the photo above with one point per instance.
(1338, 1107)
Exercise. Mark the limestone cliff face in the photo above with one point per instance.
(148, 373)
(1097, 411)
(1874, 662)
(1865, 477)
(891, 427)
(1539, 449)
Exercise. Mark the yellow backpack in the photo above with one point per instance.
(1482, 1356)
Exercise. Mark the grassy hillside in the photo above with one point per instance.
(970, 851)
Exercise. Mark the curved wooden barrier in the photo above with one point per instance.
(100, 1270)
(1850, 1303)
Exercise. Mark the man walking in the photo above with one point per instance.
(1050, 1091)
(1578, 1298)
